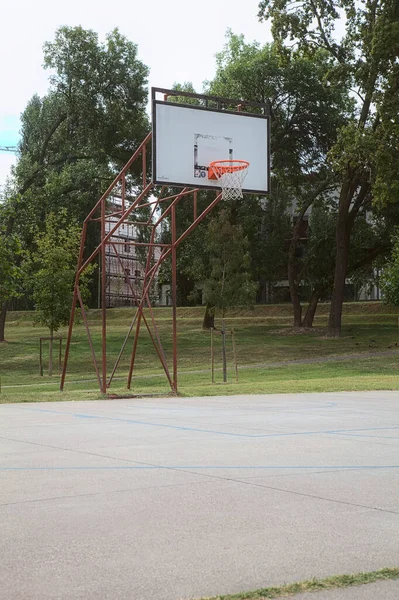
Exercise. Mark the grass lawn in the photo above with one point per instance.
(314, 585)
(265, 345)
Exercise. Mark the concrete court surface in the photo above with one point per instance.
(172, 499)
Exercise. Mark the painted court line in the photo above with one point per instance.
(199, 467)
(211, 431)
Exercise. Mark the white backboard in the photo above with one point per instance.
(187, 138)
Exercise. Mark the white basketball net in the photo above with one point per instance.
(231, 181)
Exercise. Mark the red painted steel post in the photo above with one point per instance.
(86, 323)
(73, 308)
(123, 192)
(174, 299)
(103, 301)
(144, 163)
(195, 203)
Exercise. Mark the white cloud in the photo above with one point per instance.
(177, 39)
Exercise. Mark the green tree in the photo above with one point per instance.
(316, 257)
(389, 278)
(269, 250)
(229, 282)
(306, 114)
(51, 273)
(10, 274)
(365, 61)
(76, 137)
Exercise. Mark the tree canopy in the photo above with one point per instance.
(364, 59)
(77, 136)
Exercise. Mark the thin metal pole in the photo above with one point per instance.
(118, 177)
(123, 191)
(99, 283)
(103, 302)
(233, 339)
(223, 332)
(135, 342)
(147, 297)
(158, 347)
(86, 324)
(144, 156)
(174, 300)
(198, 220)
(140, 312)
(60, 357)
(212, 358)
(116, 225)
(73, 308)
(40, 359)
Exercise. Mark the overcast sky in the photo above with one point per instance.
(177, 40)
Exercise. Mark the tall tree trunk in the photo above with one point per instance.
(337, 298)
(209, 317)
(3, 314)
(292, 281)
(296, 305)
(311, 310)
(50, 360)
(342, 237)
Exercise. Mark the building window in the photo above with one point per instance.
(137, 273)
(127, 275)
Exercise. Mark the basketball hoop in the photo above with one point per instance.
(231, 175)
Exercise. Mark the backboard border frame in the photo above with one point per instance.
(220, 101)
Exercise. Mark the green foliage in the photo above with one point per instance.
(50, 271)
(229, 282)
(10, 273)
(369, 245)
(319, 254)
(77, 136)
(305, 117)
(75, 139)
(104, 90)
(192, 255)
(187, 86)
(269, 248)
(364, 60)
(390, 276)
(305, 111)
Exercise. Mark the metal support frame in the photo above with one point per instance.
(114, 219)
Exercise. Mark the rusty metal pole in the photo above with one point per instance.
(212, 358)
(123, 192)
(223, 332)
(73, 308)
(40, 358)
(233, 339)
(174, 300)
(144, 165)
(103, 301)
(60, 357)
